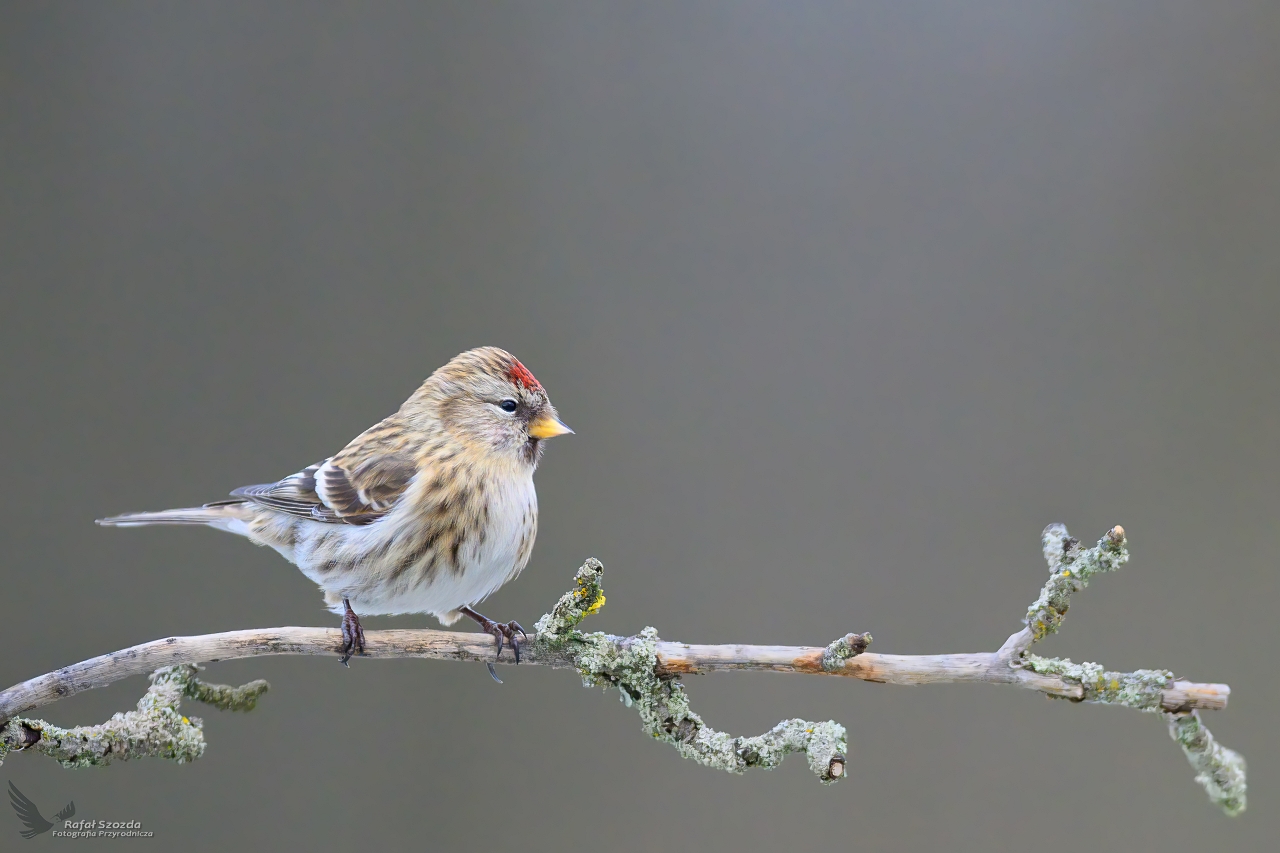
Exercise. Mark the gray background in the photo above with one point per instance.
(846, 302)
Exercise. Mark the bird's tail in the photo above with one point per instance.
(215, 514)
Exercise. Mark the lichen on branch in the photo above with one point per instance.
(156, 728)
(1070, 569)
(630, 664)
(224, 697)
(1220, 770)
(849, 646)
(1141, 689)
(586, 597)
(646, 671)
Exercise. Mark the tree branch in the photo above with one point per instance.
(647, 672)
(157, 727)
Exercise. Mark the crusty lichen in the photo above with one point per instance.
(630, 664)
(225, 697)
(1142, 689)
(1220, 770)
(1070, 569)
(586, 598)
(156, 728)
(848, 646)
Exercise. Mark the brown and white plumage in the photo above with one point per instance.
(429, 511)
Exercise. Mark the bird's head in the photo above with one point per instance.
(486, 399)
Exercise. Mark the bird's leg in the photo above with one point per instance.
(352, 634)
(500, 631)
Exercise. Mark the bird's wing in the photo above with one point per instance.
(27, 812)
(359, 485)
(67, 813)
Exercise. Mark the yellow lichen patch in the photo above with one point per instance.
(596, 605)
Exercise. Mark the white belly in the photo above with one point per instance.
(374, 586)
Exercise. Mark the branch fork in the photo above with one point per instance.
(647, 673)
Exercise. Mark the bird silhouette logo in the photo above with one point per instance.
(30, 815)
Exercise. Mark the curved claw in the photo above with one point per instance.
(509, 631)
(352, 634)
(500, 631)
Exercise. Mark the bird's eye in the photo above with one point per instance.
(507, 405)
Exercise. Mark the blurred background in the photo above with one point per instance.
(846, 302)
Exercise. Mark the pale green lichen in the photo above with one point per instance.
(586, 598)
(156, 728)
(1220, 770)
(848, 646)
(630, 665)
(1142, 689)
(663, 705)
(1070, 569)
(225, 697)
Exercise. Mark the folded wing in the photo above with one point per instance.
(358, 486)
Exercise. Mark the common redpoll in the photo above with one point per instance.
(429, 511)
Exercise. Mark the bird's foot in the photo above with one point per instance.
(352, 634)
(500, 631)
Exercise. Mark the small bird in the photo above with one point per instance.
(429, 511)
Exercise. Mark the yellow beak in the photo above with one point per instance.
(547, 426)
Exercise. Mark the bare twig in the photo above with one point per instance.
(647, 671)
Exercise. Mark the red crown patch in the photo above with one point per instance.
(520, 375)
